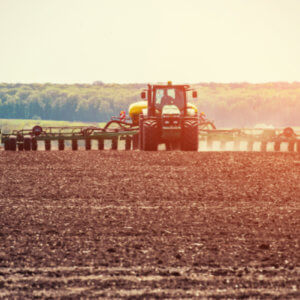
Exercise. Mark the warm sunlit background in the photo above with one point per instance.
(68, 41)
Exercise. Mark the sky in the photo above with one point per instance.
(140, 41)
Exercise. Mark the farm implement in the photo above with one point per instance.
(164, 116)
(251, 139)
(27, 139)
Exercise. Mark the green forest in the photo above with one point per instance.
(229, 105)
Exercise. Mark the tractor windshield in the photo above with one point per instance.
(169, 96)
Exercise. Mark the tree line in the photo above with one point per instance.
(232, 104)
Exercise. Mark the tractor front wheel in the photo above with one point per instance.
(150, 135)
(189, 135)
(140, 134)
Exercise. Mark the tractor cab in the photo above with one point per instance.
(170, 99)
(169, 96)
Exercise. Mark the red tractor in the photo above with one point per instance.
(166, 118)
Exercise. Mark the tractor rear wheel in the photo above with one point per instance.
(189, 135)
(150, 135)
(140, 142)
(27, 143)
(171, 146)
(168, 146)
(12, 143)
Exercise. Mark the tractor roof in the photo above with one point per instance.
(163, 86)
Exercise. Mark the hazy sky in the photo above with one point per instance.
(68, 41)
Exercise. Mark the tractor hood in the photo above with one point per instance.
(170, 110)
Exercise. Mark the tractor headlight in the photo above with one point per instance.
(175, 122)
(167, 122)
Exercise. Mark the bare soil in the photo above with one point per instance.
(149, 225)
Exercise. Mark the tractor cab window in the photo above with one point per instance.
(169, 96)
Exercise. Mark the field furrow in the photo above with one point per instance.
(138, 225)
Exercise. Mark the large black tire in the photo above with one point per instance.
(171, 146)
(34, 145)
(189, 135)
(27, 143)
(12, 143)
(150, 135)
(175, 145)
(140, 135)
(168, 146)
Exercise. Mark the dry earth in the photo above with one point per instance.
(145, 225)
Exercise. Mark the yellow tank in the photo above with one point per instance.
(135, 109)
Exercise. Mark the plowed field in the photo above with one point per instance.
(137, 225)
